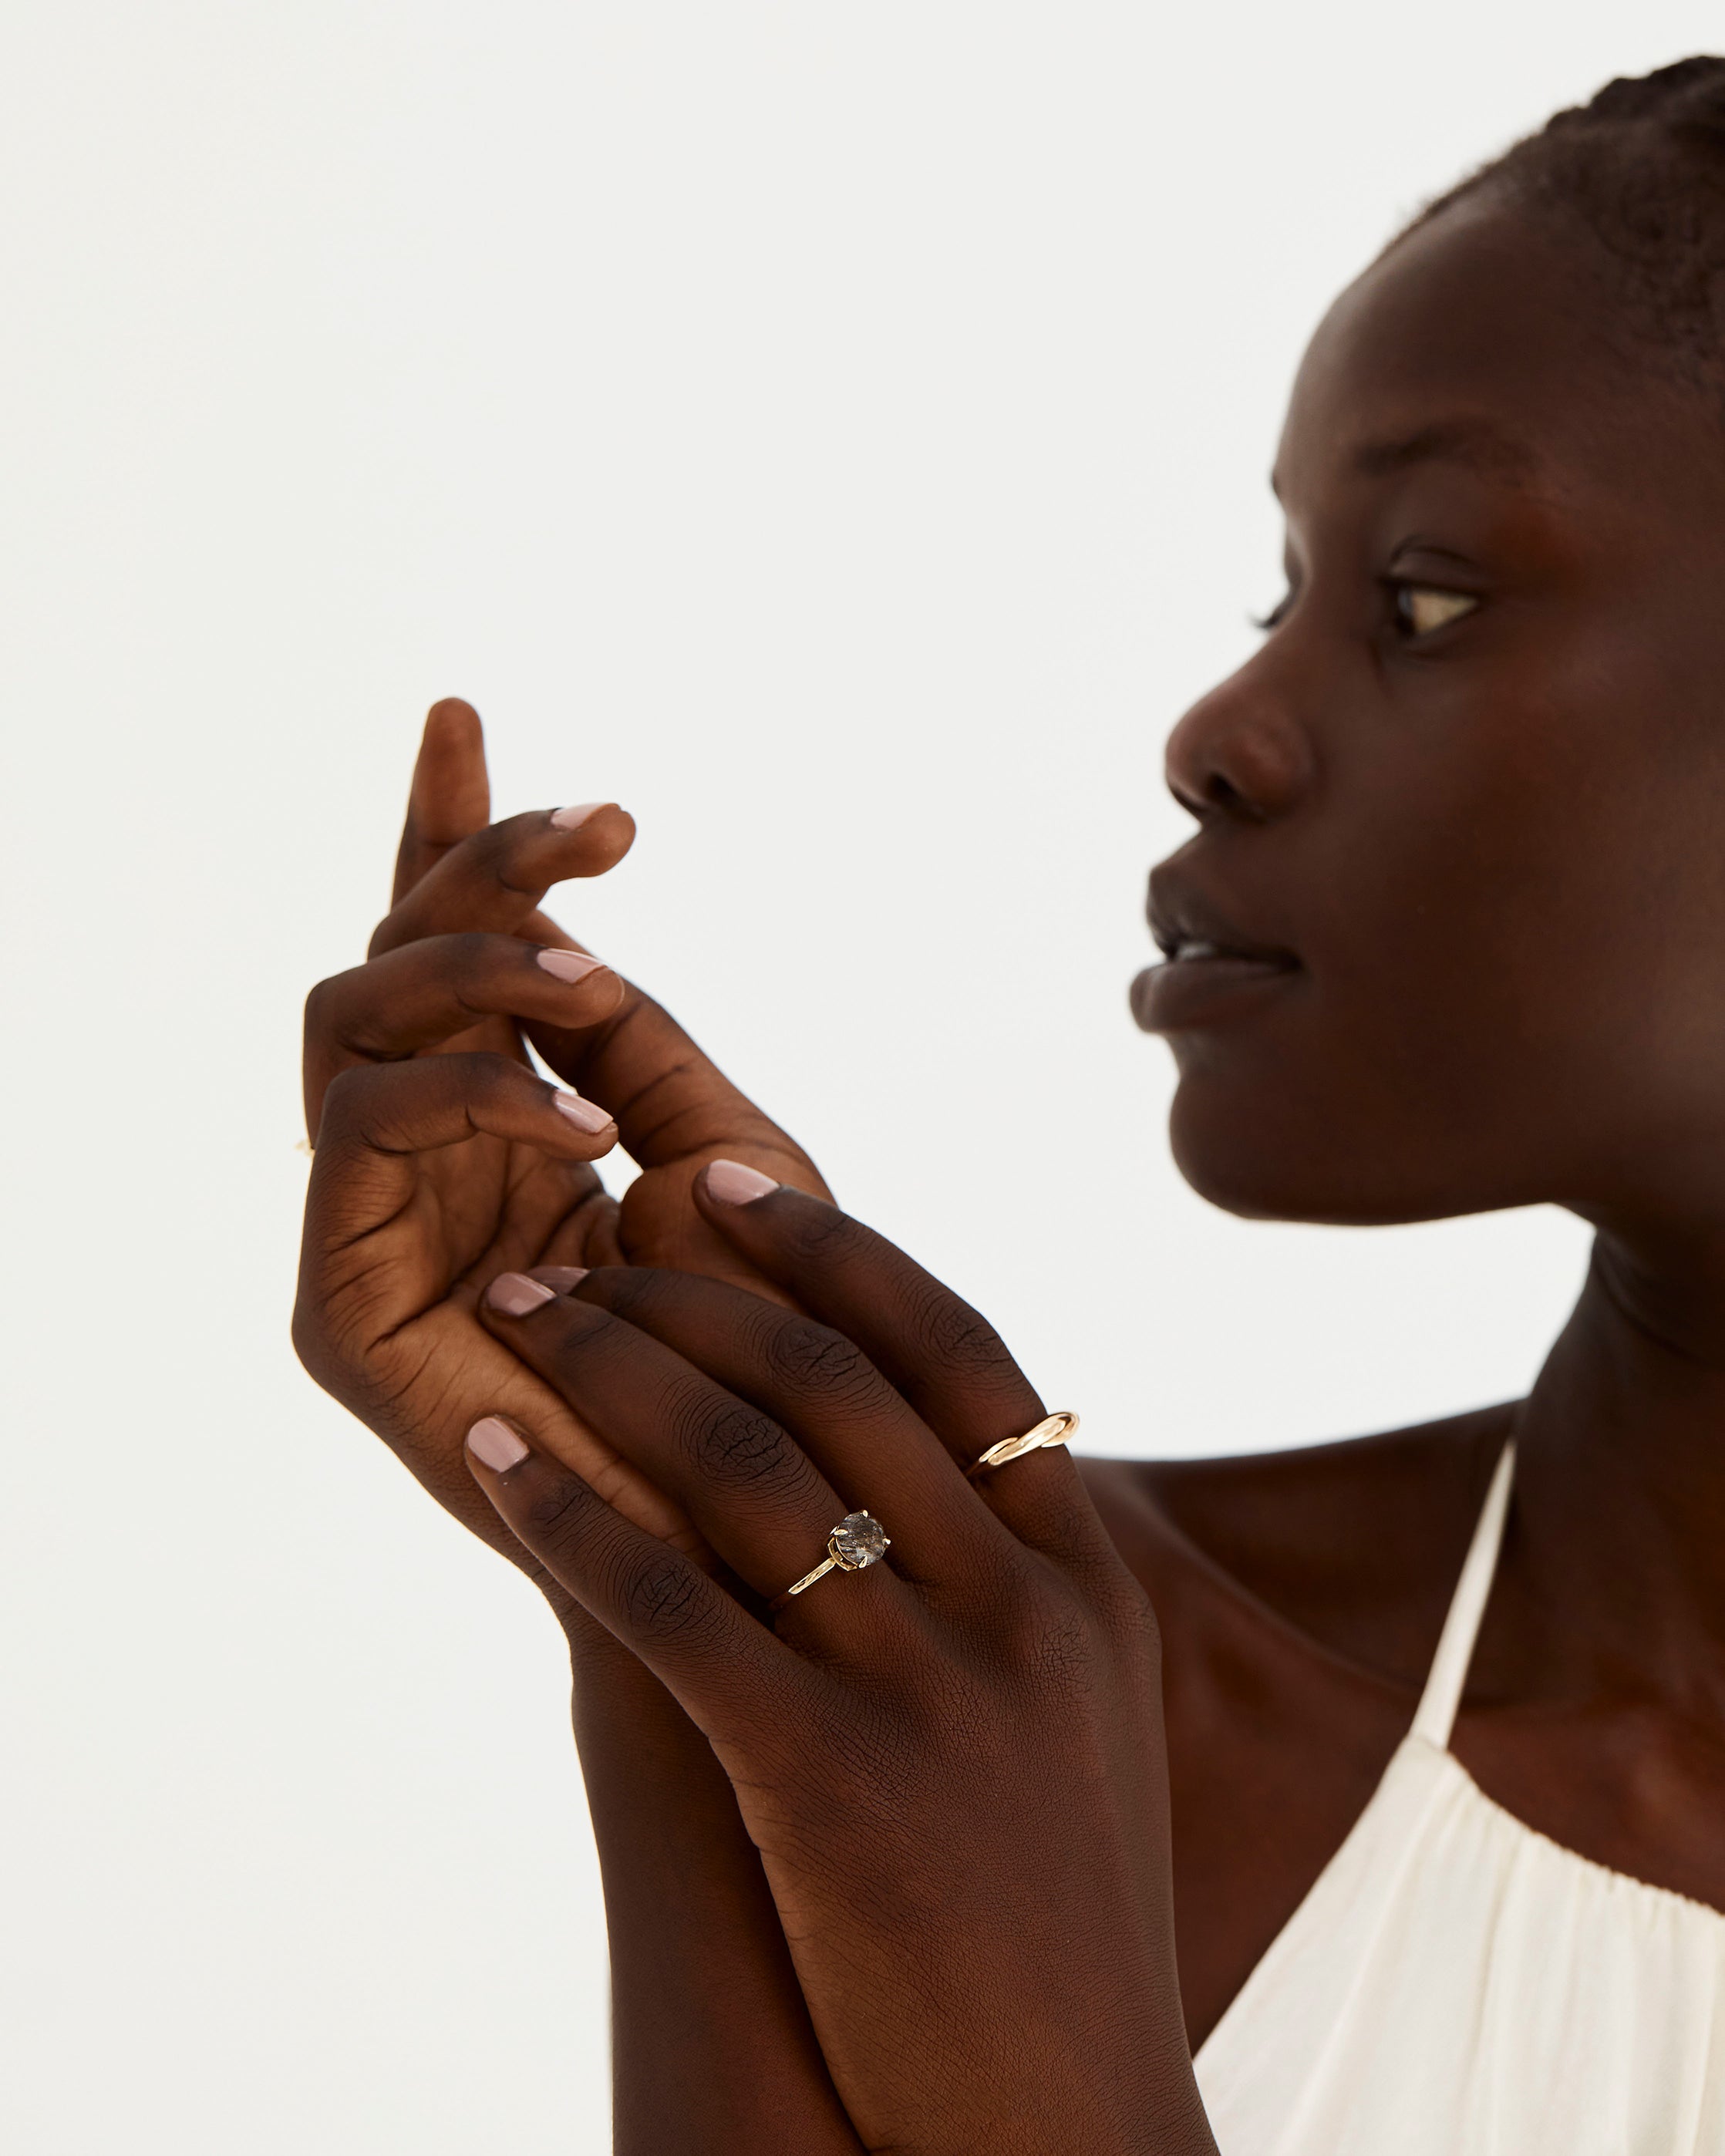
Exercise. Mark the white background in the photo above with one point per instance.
(837, 432)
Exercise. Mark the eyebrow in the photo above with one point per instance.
(1478, 443)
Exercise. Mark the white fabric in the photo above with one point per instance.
(1455, 1984)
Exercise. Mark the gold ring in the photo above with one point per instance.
(858, 1541)
(1052, 1429)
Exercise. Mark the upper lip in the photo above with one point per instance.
(1188, 925)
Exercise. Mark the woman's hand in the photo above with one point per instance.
(951, 1763)
(441, 1158)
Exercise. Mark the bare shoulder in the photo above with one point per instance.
(1353, 1547)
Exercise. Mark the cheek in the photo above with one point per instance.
(1507, 994)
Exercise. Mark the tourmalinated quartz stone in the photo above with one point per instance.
(858, 1540)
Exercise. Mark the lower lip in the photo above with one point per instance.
(1189, 993)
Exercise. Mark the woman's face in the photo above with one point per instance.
(1461, 820)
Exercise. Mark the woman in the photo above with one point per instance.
(1429, 1791)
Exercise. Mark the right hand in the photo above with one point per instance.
(441, 1159)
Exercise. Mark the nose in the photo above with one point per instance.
(1239, 753)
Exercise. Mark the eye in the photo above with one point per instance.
(1276, 616)
(1421, 608)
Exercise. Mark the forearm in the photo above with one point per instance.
(712, 2045)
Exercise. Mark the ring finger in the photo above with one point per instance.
(868, 1440)
(756, 1495)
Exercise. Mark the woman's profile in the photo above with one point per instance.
(951, 1792)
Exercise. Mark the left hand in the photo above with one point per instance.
(951, 1763)
(442, 1158)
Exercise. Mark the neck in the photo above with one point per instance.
(1620, 1477)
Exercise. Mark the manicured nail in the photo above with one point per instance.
(569, 965)
(729, 1182)
(571, 819)
(559, 1279)
(585, 1115)
(515, 1294)
(494, 1444)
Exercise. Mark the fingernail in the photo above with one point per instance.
(559, 1279)
(571, 819)
(585, 1115)
(515, 1294)
(730, 1183)
(569, 965)
(494, 1444)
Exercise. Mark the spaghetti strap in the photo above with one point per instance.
(1455, 1651)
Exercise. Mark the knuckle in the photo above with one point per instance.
(964, 1339)
(1061, 1654)
(335, 1328)
(469, 955)
(317, 1004)
(552, 1518)
(344, 1099)
(1052, 1639)
(1132, 1620)
(662, 1600)
(813, 1358)
(737, 1445)
(310, 1332)
(494, 852)
(482, 1074)
(820, 1234)
(635, 1292)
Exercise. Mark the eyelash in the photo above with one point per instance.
(1396, 587)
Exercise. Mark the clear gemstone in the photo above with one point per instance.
(858, 1540)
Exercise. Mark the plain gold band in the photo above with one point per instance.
(1052, 1429)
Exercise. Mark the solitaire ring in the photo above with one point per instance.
(1052, 1429)
(858, 1541)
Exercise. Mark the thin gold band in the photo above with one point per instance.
(826, 1565)
(1052, 1429)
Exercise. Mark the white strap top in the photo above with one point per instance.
(1455, 1984)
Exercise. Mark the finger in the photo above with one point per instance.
(749, 1487)
(376, 1299)
(676, 1111)
(495, 879)
(377, 1117)
(451, 794)
(943, 1356)
(426, 992)
(697, 1637)
(871, 1445)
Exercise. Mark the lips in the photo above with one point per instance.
(1212, 969)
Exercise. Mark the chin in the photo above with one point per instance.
(1263, 1158)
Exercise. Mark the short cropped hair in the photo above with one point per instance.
(1641, 169)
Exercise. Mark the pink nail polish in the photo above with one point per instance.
(730, 1183)
(515, 1294)
(494, 1444)
(559, 1279)
(569, 965)
(585, 1115)
(571, 819)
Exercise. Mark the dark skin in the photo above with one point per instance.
(440, 1159)
(1457, 827)
(1493, 848)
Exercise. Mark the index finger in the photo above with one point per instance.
(450, 797)
(494, 879)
